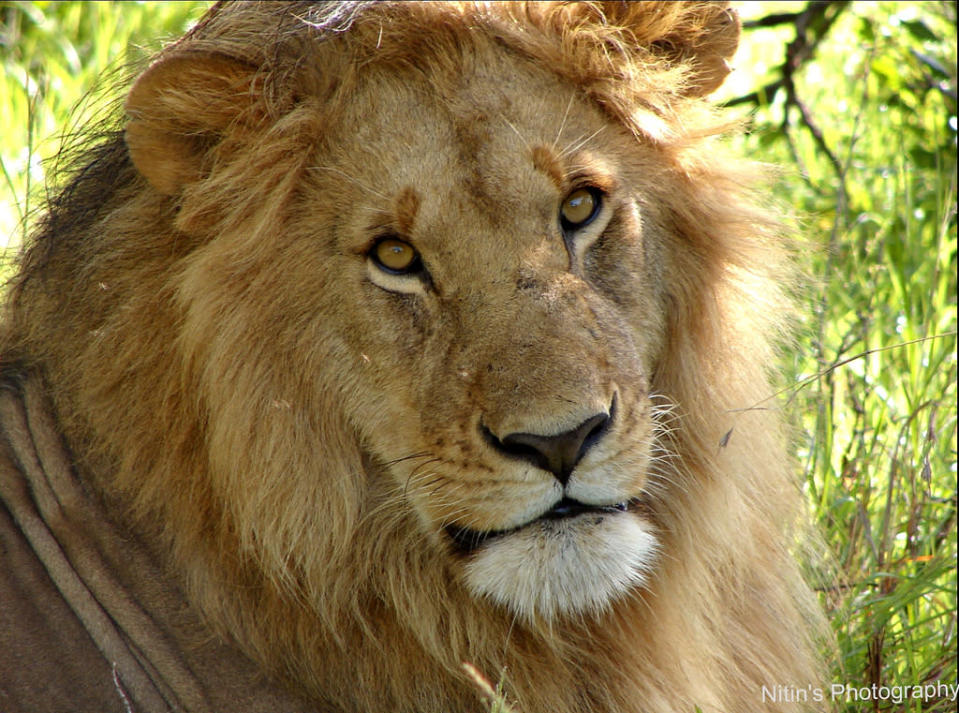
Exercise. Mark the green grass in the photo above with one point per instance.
(876, 429)
(54, 54)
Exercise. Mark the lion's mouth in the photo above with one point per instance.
(467, 540)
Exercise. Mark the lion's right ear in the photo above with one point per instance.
(701, 35)
(179, 108)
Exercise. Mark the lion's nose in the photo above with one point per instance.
(559, 453)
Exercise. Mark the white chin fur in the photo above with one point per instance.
(574, 566)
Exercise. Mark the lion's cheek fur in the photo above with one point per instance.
(274, 447)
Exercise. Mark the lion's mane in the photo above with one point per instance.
(174, 309)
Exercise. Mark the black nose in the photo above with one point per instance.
(557, 454)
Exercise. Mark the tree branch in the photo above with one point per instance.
(779, 18)
(812, 25)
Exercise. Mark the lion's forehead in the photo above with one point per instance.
(471, 152)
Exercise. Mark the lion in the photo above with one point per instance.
(379, 338)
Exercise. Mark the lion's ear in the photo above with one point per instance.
(178, 108)
(702, 35)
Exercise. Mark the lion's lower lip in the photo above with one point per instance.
(468, 540)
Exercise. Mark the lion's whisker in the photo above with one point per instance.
(562, 124)
(516, 131)
(403, 459)
(571, 149)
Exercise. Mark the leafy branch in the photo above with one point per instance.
(812, 25)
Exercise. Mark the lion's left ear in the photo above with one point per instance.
(179, 108)
(702, 35)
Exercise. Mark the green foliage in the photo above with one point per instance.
(878, 426)
(875, 366)
(54, 56)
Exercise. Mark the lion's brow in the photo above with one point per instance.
(546, 161)
(406, 206)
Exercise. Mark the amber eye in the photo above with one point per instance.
(579, 208)
(396, 256)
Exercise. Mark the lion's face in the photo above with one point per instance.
(463, 307)
(500, 316)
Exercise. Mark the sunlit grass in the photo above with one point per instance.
(53, 55)
(878, 429)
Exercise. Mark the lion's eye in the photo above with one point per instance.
(580, 207)
(395, 256)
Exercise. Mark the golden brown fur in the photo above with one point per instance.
(292, 428)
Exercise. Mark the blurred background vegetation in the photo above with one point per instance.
(857, 103)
